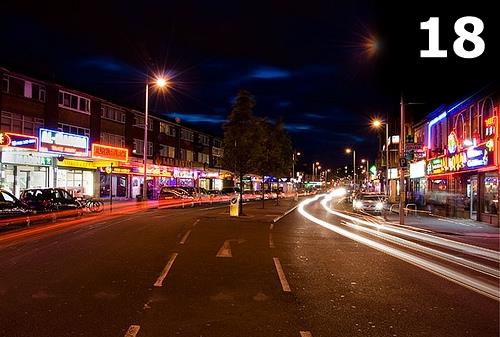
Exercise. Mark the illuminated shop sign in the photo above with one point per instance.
(468, 159)
(490, 126)
(393, 173)
(452, 142)
(109, 152)
(62, 142)
(18, 141)
(184, 174)
(24, 158)
(417, 170)
(155, 170)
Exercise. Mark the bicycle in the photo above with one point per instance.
(92, 205)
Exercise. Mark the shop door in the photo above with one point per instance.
(24, 180)
(472, 194)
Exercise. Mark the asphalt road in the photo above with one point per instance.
(197, 272)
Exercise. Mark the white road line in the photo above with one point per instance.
(184, 238)
(271, 226)
(132, 331)
(281, 275)
(225, 250)
(278, 218)
(305, 334)
(196, 222)
(271, 242)
(164, 272)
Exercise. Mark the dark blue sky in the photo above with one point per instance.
(303, 61)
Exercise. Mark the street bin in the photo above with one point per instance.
(138, 197)
(234, 206)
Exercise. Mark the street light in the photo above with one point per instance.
(159, 82)
(377, 123)
(367, 168)
(348, 151)
(313, 168)
(293, 163)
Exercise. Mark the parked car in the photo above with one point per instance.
(55, 202)
(230, 190)
(168, 196)
(369, 202)
(13, 211)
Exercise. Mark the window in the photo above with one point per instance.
(27, 125)
(5, 83)
(203, 157)
(74, 102)
(113, 114)
(112, 139)
(167, 151)
(16, 86)
(204, 139)
(76, 130)
(139, 122)
(187, 135)
(186, 155)
(139, 147)
(167, 129)
(217, 143)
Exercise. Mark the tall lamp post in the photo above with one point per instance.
(367, 168)
(348, 151)
(376, 123)
(294, 157)
(314, 166)
(159, 82)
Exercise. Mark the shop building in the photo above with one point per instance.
(462, 166)
(176, 154)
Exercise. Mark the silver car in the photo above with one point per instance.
(369, 202)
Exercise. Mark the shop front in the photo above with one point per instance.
(22, 166)
(79, 177)
(464, 183)
(418, 183)
(113, 178)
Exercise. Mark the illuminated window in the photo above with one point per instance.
(114, 114)
(112, 139)
(76, 130)
(139, 122)
(187, 135)
(74, 102)
(18, 123)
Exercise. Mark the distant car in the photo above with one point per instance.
(369, 202)
(13, 211)
(230, 190)
(57, 202)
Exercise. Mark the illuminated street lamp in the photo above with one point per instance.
(367, 168)
(294, 155)
(348, 151)
(159, 82)
(377, 123)
(314, 167)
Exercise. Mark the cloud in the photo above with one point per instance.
(314, 116)
(106, 64)
(198, 118)
(296, 127)
(269, 73)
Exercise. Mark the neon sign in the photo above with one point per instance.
(61, 142)
(490, 126)
(452, 142)
(18, 141)
(109, 152)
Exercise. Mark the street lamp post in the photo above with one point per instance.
(377, 124)
(293, 163)
(353, 164)
(367, 167)
(160, 82)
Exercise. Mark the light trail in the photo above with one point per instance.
(478, 286)
(485, 253)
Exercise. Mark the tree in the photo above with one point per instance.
(242, 138)
(277, 155)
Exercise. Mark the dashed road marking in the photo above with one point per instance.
(271, 242)
(271, 226)
(281, 275)
(196, 222)
(159, 281)
(305, 334)
(184, 238)
(132, 331)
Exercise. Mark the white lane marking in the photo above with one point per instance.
(132, 331)
(281, 275)
(271, 242)
(225, 250)
(305, 334)
(271, 226)
(278, 218)
(476, 285)
(184, 238)
(196, 222)
(164, 272)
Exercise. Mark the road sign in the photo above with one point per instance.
(403, 162)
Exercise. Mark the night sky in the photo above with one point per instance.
(305, 61)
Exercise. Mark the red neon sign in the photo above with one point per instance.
(18, 141)
(109, 152)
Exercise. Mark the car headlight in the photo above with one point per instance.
(379, 205)
(358, 204)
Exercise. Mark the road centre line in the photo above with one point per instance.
(225, 250)
(159, 281)
(184, 238)
(271, 226)
(305, 334)
(132, 331)
(281, 275)
(271, 242)
(196, 222)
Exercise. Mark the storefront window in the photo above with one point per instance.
(490, 193)
(77, 182)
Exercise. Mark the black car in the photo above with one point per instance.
(54, 201)
(13, 211)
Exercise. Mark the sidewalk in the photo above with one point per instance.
(450, 226)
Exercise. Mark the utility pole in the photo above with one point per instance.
(402, 190)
